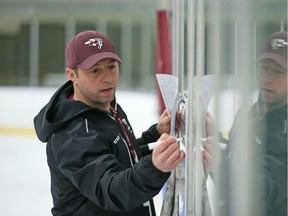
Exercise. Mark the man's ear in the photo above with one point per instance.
(71, 74)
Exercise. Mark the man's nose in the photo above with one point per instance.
(107, 75)
(268, 74)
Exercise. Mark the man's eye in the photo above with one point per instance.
(262, 66)
(94, 70)
(279, 71)
(112, 67)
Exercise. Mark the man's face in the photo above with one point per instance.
(96, 86)
(272, 79)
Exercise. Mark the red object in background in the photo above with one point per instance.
(163, 49)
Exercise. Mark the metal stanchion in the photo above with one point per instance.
(189, 160)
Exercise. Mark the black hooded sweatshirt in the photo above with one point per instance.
(92, 169)
(268, 138)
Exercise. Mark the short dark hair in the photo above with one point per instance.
(75, 69)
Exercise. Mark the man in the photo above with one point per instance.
(96, 165)
(268, 132)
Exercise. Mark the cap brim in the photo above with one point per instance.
(277, 58)
(93, 59)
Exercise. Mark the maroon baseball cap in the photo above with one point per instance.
(276, 49)
(87, 48)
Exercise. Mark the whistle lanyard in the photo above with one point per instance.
(125, 131)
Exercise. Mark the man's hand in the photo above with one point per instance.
(167, 155)
(164, 123)
(210, 125)
(211, 154)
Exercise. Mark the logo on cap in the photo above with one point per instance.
(95, 42)
(277, 43)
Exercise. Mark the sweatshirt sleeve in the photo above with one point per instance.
(150, 135)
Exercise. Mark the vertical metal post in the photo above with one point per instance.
(198, 168)
(175, 36)
(144, 55)
(180, 45)
(190, 138)
(282, 25)
(34, 53)
(177, 45)
(101, 25)
(242, 198)
(180, 73)
(214, 41)
(126, 51)
(178, 70)
(70, 31)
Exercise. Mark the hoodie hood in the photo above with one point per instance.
(57, 112)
